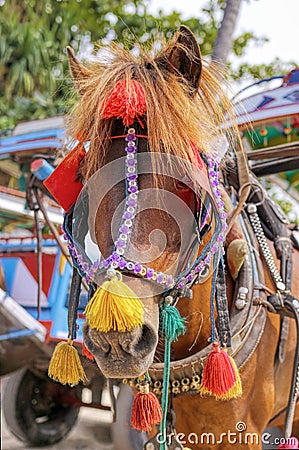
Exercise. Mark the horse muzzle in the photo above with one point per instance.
(122, 355)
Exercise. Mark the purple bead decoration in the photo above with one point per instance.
(137, 268)
(169, 280)
(160, 277)
(149, 273)
(131, 162)
(122, 264)
(131, 137)
(124, 229)
(131, 149)
(132, 176)
(127, 215)
(132, 189)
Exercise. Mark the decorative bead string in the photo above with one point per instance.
(218, 238)
(117, 259)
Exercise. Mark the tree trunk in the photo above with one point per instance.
(224, 40)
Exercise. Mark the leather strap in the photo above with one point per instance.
(287, 305)
(243, 180)
(222, 307)
(73, 304)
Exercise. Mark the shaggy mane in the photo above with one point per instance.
(173, 117)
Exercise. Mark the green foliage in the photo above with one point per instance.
(257, 72)
(287, 202)
(34, 79)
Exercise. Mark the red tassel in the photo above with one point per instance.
(86, 352)
(126, 101)
(146, 410)
(218, 374)
(292, 443)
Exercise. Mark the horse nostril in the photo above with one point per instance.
(128, 341)
(98, 340)
(104, 346)
(127, 344)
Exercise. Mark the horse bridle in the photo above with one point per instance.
(117, 262)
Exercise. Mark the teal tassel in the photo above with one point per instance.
(164, 398)
(173, 326)
(172, 323)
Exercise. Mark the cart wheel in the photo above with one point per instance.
(123, 436)
(38, 410)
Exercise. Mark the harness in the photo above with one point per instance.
(250, 297)
(267, 220)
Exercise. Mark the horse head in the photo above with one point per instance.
(150, 201)
(147, 231)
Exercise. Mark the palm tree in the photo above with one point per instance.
(224, 40)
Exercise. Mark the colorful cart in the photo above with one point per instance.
(269, 123)
(34, 284)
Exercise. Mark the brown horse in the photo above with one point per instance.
(182, 97)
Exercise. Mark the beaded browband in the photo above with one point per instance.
(118, 261)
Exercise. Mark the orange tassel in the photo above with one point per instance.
(86, 352)
(219, 375)
(146, 410)
(126, 101)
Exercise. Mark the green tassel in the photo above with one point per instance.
(172, 323)
(173, 326)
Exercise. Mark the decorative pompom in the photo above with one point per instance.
(220, 376)
(172, 323)
(292, 443)
(114, 306)
(146, 410)
(126, 101)
(86, 352)
(65, 365)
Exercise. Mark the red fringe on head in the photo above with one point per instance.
(126, 101)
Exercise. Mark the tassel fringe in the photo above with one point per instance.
(172, 323)
(220, 376)
(146, 410)
(126, 101)
(236, 391)
(65, 365)
(114, 306)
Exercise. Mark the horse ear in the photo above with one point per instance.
(183, 57)
(78, 71)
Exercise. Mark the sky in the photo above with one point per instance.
(276, 19)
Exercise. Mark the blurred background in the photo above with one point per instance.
(258, 41)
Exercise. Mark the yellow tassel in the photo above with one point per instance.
(114, 306)
(65, 365)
